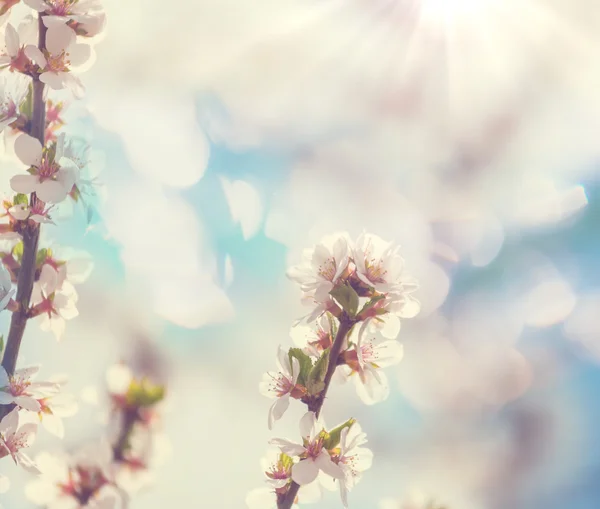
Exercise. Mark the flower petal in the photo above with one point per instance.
(305, 472)
(29, 150)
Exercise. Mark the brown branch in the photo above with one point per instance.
(31, 235)
(316, 405)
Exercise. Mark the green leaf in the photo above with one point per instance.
(18, 251)
(41, 256)
(368, 305)
(316, 377)
(347, 298)
(305, 364)
(21, 199)
(26, 107)
(335, 434)
(1, 345)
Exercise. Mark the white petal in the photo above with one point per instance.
(54, 425)
(278, 409)
(324, 462)
(288, 447)
(79, 54)
(261, 498)
(28, 403)
(12, 40)
(29, 150)
(307, 424)
(54, 80)
(4, 380)
(38, 5)
(58, 38)
(305, 472)
(34, 54)
(52, 191)
(24, 184)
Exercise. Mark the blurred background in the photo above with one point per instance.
(228, 136)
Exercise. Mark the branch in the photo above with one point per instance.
(31, 235)
(316, 405)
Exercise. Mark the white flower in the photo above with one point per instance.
(370, 353)
(62, 52)
(20, 390)
(52, 180)
(280, 384)
(352, 459)
(136, 469)
(379, 265)
(15, 40)
(278, 470)
(81, 481)
(64, 307)
(313, 456)
(315, 338)
(6, 289)
(38, 213)
(54, 407)
(322, 266)
(11, 96)
(14, 438)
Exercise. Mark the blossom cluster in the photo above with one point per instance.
(106, 473)
(52, 42)
(358, 293)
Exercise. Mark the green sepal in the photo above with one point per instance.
(42, 255)
(21, 199)
(347, 298)
(335, 435)
(17, 251)
(143, 393)
(305, 364)
(315, 383)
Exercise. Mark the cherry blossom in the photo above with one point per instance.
(56, 406)
(39, 212)
(6, 289)
(84, 16)
(379, 264)
(281, 385)
(14, 437)
(11, 96)
(20, 390)
(81, 481)
(52, 178)
(322, 266)
(352, 459)
(15, 41)
(62, 52)
(277, 467)
(313, 456)
(370, 353)
(314, 338)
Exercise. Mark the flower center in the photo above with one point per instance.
(314, 448)
(83, 483)
(327, 269)
(57, 63)
(282, 385)
(61, 7)
(47, 170)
